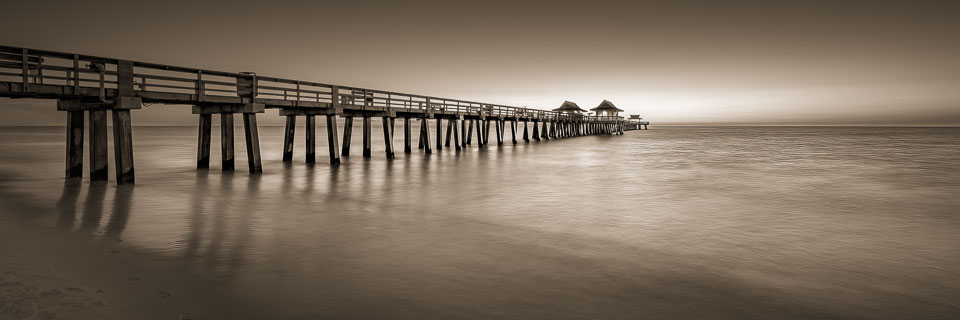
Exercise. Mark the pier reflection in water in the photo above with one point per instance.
(686, 222)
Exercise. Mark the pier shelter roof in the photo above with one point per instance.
(569, 107)
(606, 105)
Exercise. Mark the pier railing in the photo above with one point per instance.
(85, 75)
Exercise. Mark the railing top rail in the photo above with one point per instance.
(466, 104)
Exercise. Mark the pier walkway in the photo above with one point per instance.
(83, 83)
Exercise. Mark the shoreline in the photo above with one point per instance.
(46, 273)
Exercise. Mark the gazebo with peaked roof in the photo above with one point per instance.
(569, 107)
(606, 108)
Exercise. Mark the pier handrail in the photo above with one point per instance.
(79, 72)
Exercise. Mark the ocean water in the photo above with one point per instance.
(673, 222)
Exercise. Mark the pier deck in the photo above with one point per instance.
(96, 84)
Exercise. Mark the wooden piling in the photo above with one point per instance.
(536, 130)
(513, 130)
(74, 168)
(406, 135)
(425, 134)
(252, 138)
(311, 139)
(332, 142)
(456, 137)
(367, 138)
(543, 132)
(347, 134)
(499, 125)
(226, 141)
(288, 133)
(203, 140)
(439, 134)
(449, 132)
(98, 144)
(388, 136)
(526, 138)
(486, 132)
(463, 132)
(123, 146)
(469, 133)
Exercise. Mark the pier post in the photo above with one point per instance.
(367, 143)
(203, 143)
(439, 134)
(74, 168)
(526, 138)
(449, 132)
(513, 130)
(332, 142)
(347, 134)
(288, 134)
(226, 141)
(311, 139)
(469, 133)
(425, 134)
(499, 132)
(98, 144)
(543, 132)
(463, 132)
(420, 145)
(456, 136)
(406, 135)
(252, 138)
(388, 136)
(536, 130)
(486, 132)
(480, 132)
(123, 145)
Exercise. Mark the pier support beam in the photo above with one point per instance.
(123, 145)
(439, 134)
(452, 123)
(543, 132)
(513, 130)
(98, 144)
(388, 136)
(74, 168)
(479, 133)
(288, 133)
(332, 141)
(252, 137)
(347, 134)
(367, 138)
(486, 132)
(469, 133)
(536, 130)
(406, 135)
(203, 141)
(425, 135)
(499, 125)
(226, 141)
(449, 132)
(526, 138)
(311, 139)
(463, 132)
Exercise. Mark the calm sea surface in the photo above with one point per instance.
(683, 222)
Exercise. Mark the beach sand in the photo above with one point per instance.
(46, 273)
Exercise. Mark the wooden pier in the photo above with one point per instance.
(95, 85)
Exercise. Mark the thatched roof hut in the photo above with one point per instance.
(569, 107)
(607, 106)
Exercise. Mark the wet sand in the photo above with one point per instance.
(49, 274)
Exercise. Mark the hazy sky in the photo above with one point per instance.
(670, 61)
